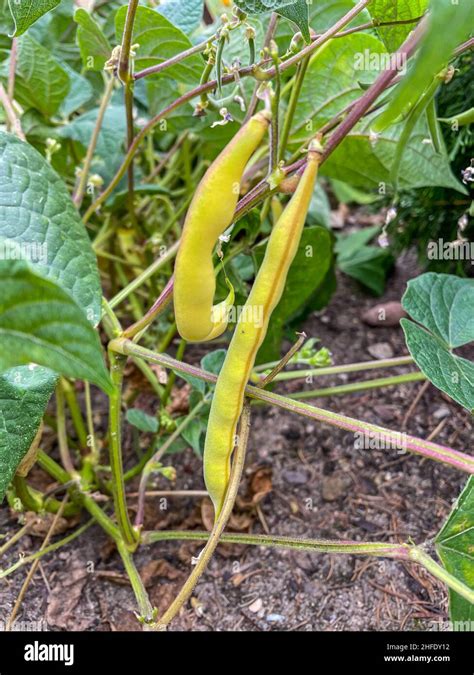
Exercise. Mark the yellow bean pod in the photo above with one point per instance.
(209, 215)
(250, 332)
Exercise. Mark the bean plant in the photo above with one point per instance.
(165, 171)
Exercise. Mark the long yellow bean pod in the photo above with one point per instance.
(209, 215)
(250, 332)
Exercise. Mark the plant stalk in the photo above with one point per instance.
(440, 453)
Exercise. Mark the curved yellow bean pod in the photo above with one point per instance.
(250, 332)
(209, 215)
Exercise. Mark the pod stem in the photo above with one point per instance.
(284, 361)
(214, 538)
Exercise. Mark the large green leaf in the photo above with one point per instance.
(109, 149)
(450, 23)
(26, 12)
(337, 75)
(367, 264)
(308, 270)
(262, 6)
(184, 14)
(396, 10)
(24, 395)
(322, 14)
(41, 323)
(333, 80)
(40, 81)
(37, 214)
(158, 41)
(366, 162)
(80, 92)
(455, 547)
(444, 306)
(93, 44)
(298, 13)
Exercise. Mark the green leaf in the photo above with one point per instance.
(319, 212)
(261, 6)
(307, 272)
(322, 14)
(192, 434)
(41, 323)
(298, 13)
(119, 199)
(40, 81)
(24, 395)
(80, 93)
(367, 264)
(36, 212)
(142, 420)
(213, 361)
(347, 245)
(396, 10)
(444, 306)
(333, 79)
(366, 163)
(26, 12)
(455, 547)
(434, 53)
(184, 14)
(109, 149)
(94, 47)
(38, 217)
(158, 41)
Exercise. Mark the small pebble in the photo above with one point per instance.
(256, 606)
(298, 477)
(381, 350)
(442, 412)
(275, 618)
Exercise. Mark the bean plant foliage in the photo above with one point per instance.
(111, 114)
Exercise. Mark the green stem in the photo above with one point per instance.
(353, 387)
(130, 136)
(172, 378)
(84, 175)
(75, 410)
(381, 549)
(54, 469)
(117, 365)
(336, 370)
(422, 558)
(147, 612)
(440, 453)
(283, 362)
(124, 63)
(275, 107)
(94, 456)
(290, 113)
(155, 310)
(31, 501)
(108, 525)
(48, 549)
(64, 453)
(15, 538)
(107, 311)
(196, 49)
(144, 276)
